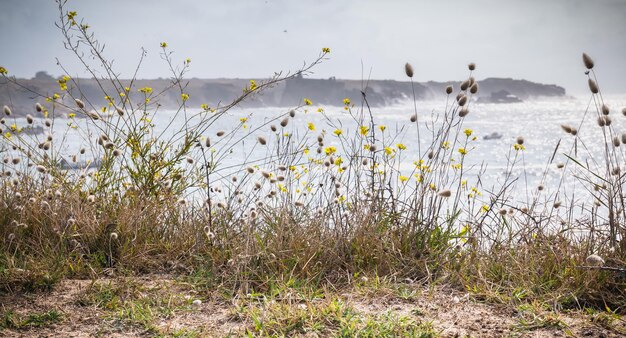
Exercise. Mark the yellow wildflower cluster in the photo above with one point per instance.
(401, 146)
(337, 132)
(311, 126)
(363, 130)
(518, 147)
(3, 71)
(462, 151)
(403, 178)
(307, 102)
(346, 101)
(184, 96)
(253, 85)
(145, 90)
(163, 44)
(63, 82)
(325, 50)
(468, 132)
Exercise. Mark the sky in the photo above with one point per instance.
(537, 40)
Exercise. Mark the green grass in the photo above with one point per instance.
(11, 320)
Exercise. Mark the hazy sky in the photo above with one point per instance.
(539, 40)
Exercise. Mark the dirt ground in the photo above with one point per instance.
(159, 306)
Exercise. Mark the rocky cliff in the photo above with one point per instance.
(288, 93)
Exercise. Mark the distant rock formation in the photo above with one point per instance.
(289, 93)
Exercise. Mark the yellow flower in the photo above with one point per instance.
(163, 44)
(7, 135)
(468, 132)
(127, 89)
(432, 187)
(56, 96)
(71, 15)
(204, 106)
(464, 183)
(3, 71)
(388, 151)
(243, 120)
(307, 102)
(146, 90)
(184, 96)
(305, 151)
(104, 109)
(253, 85)
(401, 146)
(122, 94)
(456, 166)
(187, 60)
(325, 50)
(485, 208)
(337, 132)
(445, 145)
(363, 130)
(338, 161)
(518, 147)
(346, 101)
(462, 151)
(403, 178)
(311, 126)
(71, 115)
(13, 127)
(382, 128)
(320, 110)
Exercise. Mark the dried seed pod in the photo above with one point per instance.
(7, 111)
(79, 103)
(408, 69)
(616, 141)
(463, 112)
(38, 107)
(273, 128)
(462, 101)
(574, 131)
(284, 122)
(474, 88)
(605, 109)
(587, 61)
(593, 86)
(292, 113)
(471, 66)
(566, 128)
(601, 121)
(519, 140)
(413, 117)
(220, 133)
(465, 84)
(262, 140)
(449, 90)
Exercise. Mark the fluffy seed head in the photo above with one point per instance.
(616, 141)
(463, 112)
(292, 113)
(16, 160)
(29, 119)
(273, 128)
(284, 122)
(605, 109)
(79, 103)
(601, 121)
(445, 193)
(262, 140)
(449, 90)
(593, 86)
(607, 120)
(519, 140)
(189, 159)
(119, 111)
(413, 117)
(41, 169)
(117, 152)
(471, 66)
(250, 170)
(408, 69)
(7, 111)
(574, 131)
(502, 212)
(556, 205)
(594, 260)
(38, 107)
(113, 236)
(587, 61)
